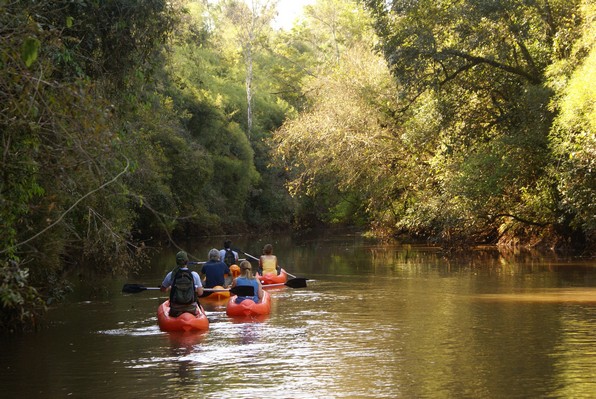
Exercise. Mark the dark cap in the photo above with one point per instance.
(181, 258)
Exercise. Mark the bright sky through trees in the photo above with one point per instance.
(288, 11)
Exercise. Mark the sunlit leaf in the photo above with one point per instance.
(29, 50)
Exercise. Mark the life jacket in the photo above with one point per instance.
(229, 258)
(183, 289)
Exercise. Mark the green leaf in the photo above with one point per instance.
(69, 21)
(29, 51)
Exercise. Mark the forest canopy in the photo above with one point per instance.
(473, 143)
(130, 123)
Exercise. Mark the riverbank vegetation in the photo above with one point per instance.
(130, 122)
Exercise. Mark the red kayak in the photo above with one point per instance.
(273, 278)
(184, 322)
(248, 307)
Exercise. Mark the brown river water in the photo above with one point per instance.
(376, 321)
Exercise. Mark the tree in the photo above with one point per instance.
(63, 164)
(335, 25)
(249, 26)
(344, 125)
(573, 137)
(485, 65)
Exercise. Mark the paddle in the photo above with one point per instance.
(136, 288)
(243, 290)
(297, 282)
(239, 290)
(249, 255)
(289, 274)
(203, 262)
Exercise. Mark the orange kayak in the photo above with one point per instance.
(248, 307)
(184, 322)
(272, 278)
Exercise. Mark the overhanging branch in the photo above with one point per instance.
(482, 60)
(70, 209)
(519, 219)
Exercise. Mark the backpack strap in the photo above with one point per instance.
(172, 281)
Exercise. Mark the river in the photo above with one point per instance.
(376, 321)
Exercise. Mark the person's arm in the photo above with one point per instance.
(227, 276)
(260, 290)
(260, 264)
(277, 266)
(166, 283)
(199, 286)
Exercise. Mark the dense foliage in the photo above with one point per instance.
(63, 155)
(485, 137)
(121, 121)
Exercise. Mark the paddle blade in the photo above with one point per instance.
(242, 290)
(298, 282)
(136, 288)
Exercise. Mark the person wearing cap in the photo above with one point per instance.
(184, 285)
(247, 278)
(214, 271)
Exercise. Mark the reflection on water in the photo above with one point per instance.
(548, 295)
(377, 321)
(575, 356)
